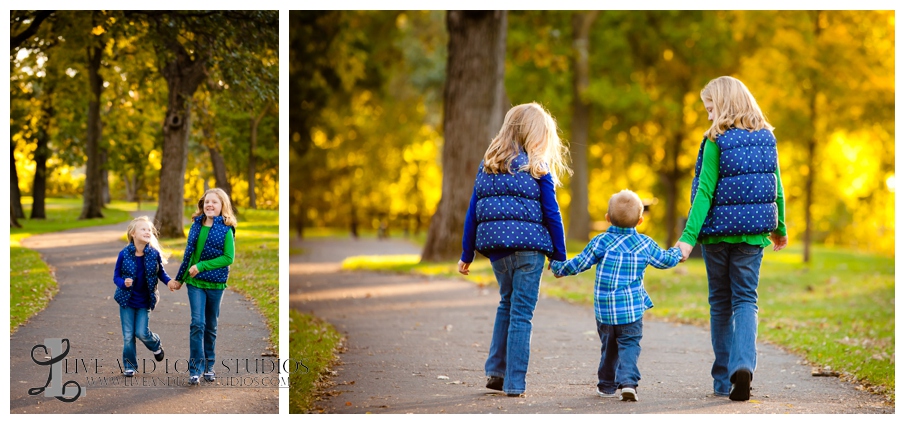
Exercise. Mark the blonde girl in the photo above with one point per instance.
(514, 220)
(737, 209)
(139, 266)
(205, 269)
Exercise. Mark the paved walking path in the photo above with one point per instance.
(84, 312)
(418, 345)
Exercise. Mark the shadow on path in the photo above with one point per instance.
(418, 345)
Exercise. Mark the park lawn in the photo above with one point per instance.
(32, 285)
(313, 342)
(255, 272)
(837, 312)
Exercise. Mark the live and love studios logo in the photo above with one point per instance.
(235, 373)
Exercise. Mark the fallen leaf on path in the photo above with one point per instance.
(442, 377)
(348, 403)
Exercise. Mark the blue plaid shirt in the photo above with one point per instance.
(621, 255)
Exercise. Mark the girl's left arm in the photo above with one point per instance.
(552, 217)
(162, 272)
(224, 260)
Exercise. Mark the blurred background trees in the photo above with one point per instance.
(367, 113)
(155, 106)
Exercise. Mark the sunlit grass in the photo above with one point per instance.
(31, 284)
(314, 343)
(838, 311)
(255, 269)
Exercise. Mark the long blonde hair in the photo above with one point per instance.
(733, 106)
(528, 127)
(226, 207)
(154, 243)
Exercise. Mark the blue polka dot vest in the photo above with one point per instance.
(152, 261)
(745, 198)
(509, 211)
(213, 248)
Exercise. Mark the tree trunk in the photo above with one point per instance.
(669, 177)
(183, 76)
(93, 196)
(39, 186)
(219, 164)
(105, 178)
(213, 148)
(472, 115)
(255, 121)
(812, 147)
(15, 201)
(579, 217)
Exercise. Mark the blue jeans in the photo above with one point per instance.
(620, 347)
(733, 270)
(519, 278)
(205, 306)
(135, 325)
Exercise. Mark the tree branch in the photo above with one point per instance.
(40, 16)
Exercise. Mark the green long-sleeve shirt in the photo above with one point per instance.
(704, 198)
(226, 259)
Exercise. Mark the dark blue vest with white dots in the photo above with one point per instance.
(213, 248)
(745, 198)
(509, 211)
(152, 261)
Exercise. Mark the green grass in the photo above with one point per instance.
(256, 267)
(31, 284)
(837, 312)
(313, 342)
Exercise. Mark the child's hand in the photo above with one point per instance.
(779, 242)
(463, 267)
(175, 285)
(193, 271)
(685, 248)
(128, 282)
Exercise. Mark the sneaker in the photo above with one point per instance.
(193, 380)
(158, 356)
(209, 376)
(495, 383)
(629, 394)
(520, 395)
(605, 394)
(129, 373)
(741, 385)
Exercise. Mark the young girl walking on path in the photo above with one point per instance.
(737, 209)
(138, 268)
(205, 269)
(514, 220)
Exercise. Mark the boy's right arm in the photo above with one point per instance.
(585, 260)
(663, 258)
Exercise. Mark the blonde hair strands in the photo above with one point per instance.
(531, 128)
(733, 106)
(154, 243)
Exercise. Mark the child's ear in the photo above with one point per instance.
(641, 219)
(607, 216)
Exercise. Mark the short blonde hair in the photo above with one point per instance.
(226, 209)
(733, 106)
(625, 209)
(531, 128)
(155, 243)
